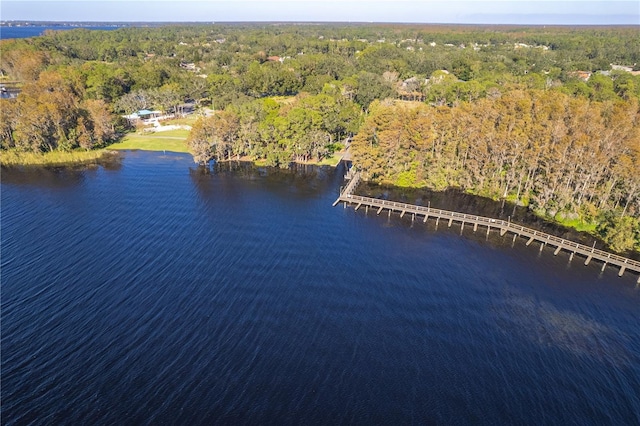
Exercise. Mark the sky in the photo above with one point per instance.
(528, 12)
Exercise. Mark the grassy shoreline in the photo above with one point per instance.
(12, 157)
(172, 141)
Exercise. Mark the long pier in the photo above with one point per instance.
(589, 253)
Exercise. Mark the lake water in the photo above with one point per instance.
(34, 31)
(147, 291)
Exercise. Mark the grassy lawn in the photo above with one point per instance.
(172, 140)
(189, 120)
(579, 225)
(331, 161)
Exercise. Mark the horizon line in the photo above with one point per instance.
(293, 22)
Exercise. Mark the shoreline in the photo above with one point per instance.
(606, 257)
(12, 158)
(483, 205)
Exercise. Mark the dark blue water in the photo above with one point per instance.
(34, 31)
(148, 292)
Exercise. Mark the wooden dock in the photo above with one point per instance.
(589, 253)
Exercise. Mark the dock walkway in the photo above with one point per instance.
(590, 253)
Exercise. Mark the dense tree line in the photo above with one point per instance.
(300, 129)
(52, 113)
(243, 62)
(560, 155)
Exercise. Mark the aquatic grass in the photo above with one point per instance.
(13, 157)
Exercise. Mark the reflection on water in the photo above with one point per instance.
(59, 176)
(45, 177)
(297, 181)
(459, 201)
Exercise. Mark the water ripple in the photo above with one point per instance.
(155, 294)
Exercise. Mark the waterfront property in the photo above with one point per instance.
(590, 253)
(145, 116)
(9, 91)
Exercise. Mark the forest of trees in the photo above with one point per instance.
(561, 156)
(304, 128)
(546, 117)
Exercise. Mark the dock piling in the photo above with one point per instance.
(347, 196)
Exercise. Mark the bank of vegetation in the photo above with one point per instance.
(567, 159)
(546, 117)
(53, 158)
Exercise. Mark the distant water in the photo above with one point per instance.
(149, 292)
(34, 31)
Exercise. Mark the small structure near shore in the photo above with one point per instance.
(8, 92)
(144, 115)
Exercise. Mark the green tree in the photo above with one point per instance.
(8, 120)
(619, 232)
(200, 141)
(371, 87)
(602, 87)
(48, 109)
